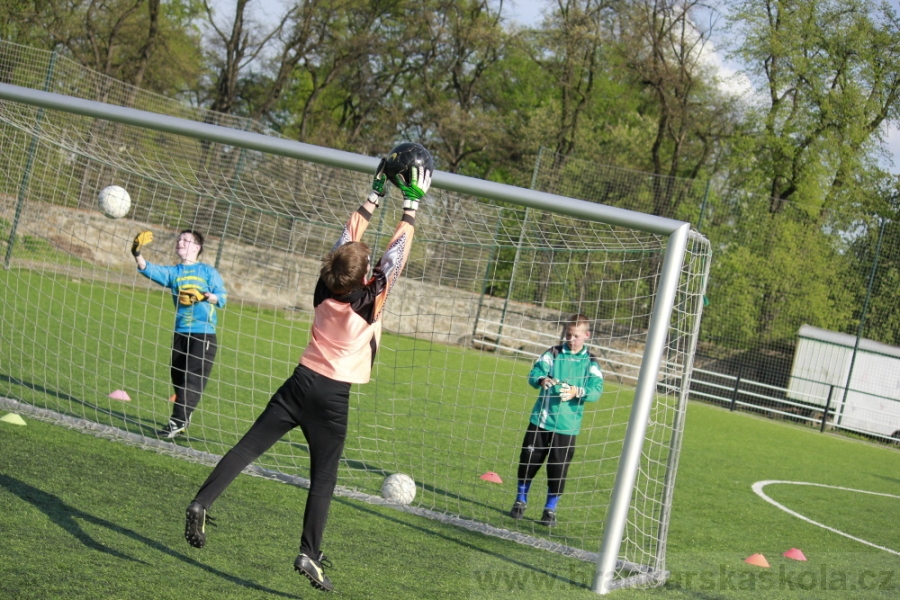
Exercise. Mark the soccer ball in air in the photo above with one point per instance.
(402, 158)
(398, 489)
(114, 202)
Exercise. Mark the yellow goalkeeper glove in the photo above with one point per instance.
(189, 296)
(141, 240)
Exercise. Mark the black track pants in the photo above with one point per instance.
(318, 405)
(557, 448)
(193, 355)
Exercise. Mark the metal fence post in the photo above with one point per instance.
(862, 319)
(29, 166)
(827, 408)
(737, 385)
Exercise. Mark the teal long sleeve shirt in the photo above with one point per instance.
(580, 369)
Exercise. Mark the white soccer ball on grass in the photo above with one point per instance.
(398, 489)
(114, 201)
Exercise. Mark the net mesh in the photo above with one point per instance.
(487, 288)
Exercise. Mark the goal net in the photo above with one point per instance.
(488, 287)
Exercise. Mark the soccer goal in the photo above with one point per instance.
(495, 271)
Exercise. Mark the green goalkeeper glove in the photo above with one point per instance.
(378, 184)
(419, 182)
(141, 240)
(189, 296)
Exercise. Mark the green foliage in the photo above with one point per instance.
(828, 71)
(119, 38)
(879, 243)
(777, 275)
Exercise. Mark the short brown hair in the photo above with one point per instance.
(343, 269)
(579, 320)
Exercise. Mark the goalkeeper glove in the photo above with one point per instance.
(419, 182)
(378, 184)
(189, 296)
(547, 382)
(570, 392)
(141, 240)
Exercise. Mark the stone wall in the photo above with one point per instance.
(284, 280)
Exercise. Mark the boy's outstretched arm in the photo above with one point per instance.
(397, 252)
(359, 219)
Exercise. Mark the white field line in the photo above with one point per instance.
(759, 485)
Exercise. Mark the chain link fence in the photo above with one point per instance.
(801, 319)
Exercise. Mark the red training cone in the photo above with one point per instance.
(757, 559)
(492, 477)
(120, 395)
(795, 554)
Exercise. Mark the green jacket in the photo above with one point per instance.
(579, 369)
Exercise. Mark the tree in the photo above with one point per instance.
(568, 52)
(663, 51)
(449, 101)
(829, 71)
(146, 43)
(875, 254)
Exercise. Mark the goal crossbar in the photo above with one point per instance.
(663, 303)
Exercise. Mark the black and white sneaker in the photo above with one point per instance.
(518, 510)
(548, 518)
(171, 430)
(195, 522)
(314, 570)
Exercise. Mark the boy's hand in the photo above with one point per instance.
(547, 382)
(570, 392)
(189, 296)
(378, 184)
(419, 182)
(141, 240)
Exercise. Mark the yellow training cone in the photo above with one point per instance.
(12, 418)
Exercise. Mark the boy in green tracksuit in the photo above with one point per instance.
(567, 376)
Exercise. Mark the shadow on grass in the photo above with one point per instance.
(67, 517)
(468, 546)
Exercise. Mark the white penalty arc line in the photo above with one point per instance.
(759, 485)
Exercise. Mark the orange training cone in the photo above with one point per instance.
(757, 559)
(492, 477)
(795, 554)
(120, 395)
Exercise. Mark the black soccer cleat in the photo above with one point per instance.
(172, 429)
(518, 510)
(195, 522)
(548, 518)
(314, 570)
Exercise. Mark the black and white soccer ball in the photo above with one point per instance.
(398, 489)
(402, 158)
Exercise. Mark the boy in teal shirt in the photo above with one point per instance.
(567, 376)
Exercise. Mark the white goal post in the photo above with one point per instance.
(658, 264)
